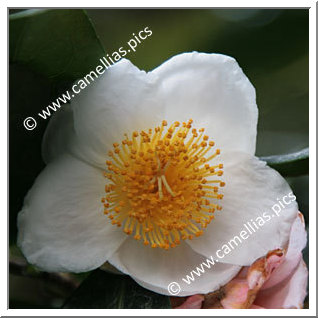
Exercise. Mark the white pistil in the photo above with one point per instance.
(166, 184)
(160, 188)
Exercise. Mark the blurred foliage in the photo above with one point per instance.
(31, 288)
(48, 49)
(113, 291)
(58, 44)
(291, 165)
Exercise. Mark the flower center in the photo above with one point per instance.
(161, 186)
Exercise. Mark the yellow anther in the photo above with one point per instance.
(117, 209)
(137, 237)
(161, 184)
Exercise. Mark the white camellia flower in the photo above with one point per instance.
(153, 173)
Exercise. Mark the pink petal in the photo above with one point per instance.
(236, 294)
(256, 307)
(298, 240)
(241, 291)
(288, 294)
(192, 302)
(261, 269)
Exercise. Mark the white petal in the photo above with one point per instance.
(59, 135)
(210, 88)
(213, 91)
(155, 269)
(61, 138)
(252, 189)
(120, 101)
(62, 226)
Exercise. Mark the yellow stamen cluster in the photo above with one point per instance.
(161, 186)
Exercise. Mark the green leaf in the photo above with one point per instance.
(59, 44)
(293, 164)
(48, 50)
(112, 291)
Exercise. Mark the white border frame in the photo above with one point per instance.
(312, 143)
